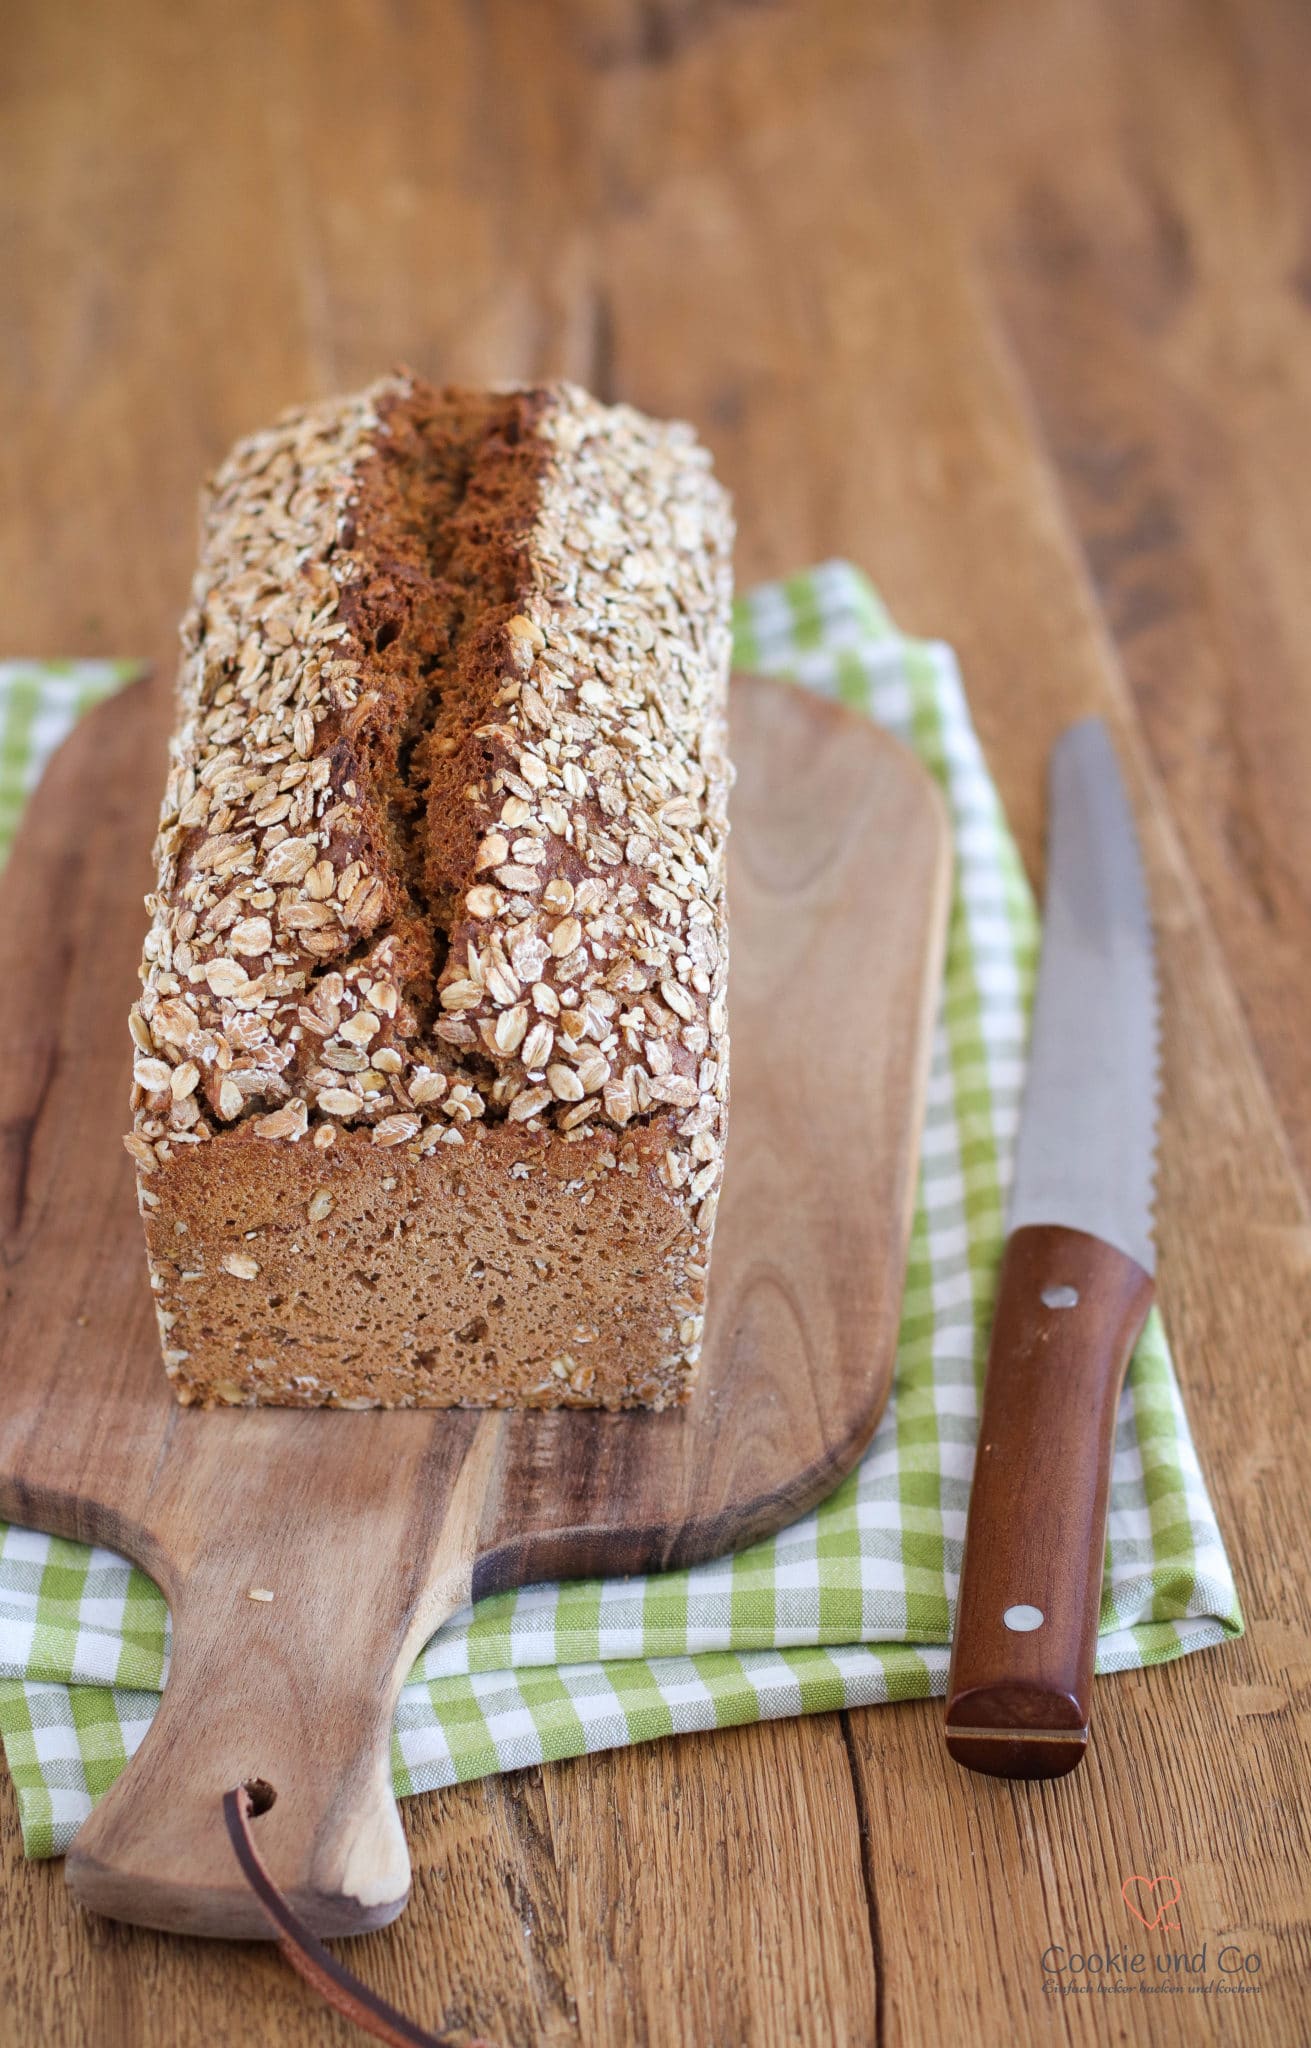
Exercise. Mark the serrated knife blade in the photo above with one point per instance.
(1086, 1151)
(1073, 1293)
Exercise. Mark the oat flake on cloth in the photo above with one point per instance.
(850, 1606)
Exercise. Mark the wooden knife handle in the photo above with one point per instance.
(1069, 1312)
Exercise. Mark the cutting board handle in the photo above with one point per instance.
(293, 1695)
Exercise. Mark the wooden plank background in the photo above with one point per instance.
(1010, 302)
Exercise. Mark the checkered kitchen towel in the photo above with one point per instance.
(850, 1606)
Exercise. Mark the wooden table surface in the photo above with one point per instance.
(1010, 302)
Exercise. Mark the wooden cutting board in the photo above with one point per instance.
(370, 1529)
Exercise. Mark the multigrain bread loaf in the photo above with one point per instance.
(431, 1055)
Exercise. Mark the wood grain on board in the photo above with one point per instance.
(1007, 301)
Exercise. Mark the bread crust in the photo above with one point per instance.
(438, 936)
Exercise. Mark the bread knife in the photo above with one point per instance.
(1075, 1287)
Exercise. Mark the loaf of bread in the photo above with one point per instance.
(431, 1055)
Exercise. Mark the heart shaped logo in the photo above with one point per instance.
(1145, 1889)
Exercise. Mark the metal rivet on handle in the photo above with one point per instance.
(1060, 1297)
(1024, 1619)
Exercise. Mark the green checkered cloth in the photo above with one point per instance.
(850, 1606)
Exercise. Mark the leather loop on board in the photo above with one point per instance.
(307, 1954)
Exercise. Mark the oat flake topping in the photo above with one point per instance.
(582, 981)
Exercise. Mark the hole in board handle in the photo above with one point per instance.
(261, 1795)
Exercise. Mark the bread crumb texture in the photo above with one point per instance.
(431, 1054)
